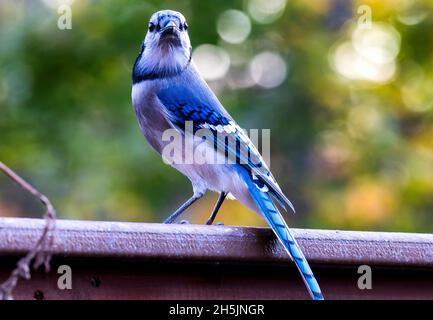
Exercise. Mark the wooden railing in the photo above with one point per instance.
(121, 260)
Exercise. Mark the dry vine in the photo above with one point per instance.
(41, 253)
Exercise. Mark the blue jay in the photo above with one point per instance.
(167, 93)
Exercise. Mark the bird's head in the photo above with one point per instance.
(166, 49)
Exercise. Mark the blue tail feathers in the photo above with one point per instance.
(270, 212)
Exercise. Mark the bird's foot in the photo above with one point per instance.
(220, 223)
(183, 222)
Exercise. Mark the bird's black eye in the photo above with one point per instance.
(151, 27)
(185, 26)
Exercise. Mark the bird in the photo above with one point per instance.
(169, 95)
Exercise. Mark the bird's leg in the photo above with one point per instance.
(220, 201)
(183, 207)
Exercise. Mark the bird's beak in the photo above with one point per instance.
(169, 29)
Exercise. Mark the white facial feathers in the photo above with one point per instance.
(167, 48)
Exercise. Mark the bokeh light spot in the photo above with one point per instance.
(268, 69)
(266, 11)
(233, 26)
(370, 55)
(379, 44)
(212, 61)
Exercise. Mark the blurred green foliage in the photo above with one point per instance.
(351, 124)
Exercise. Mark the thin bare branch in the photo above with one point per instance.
(41, 253)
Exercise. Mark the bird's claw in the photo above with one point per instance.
(220, 223)
(183, 222)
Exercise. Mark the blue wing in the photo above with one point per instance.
(205, 111)
(182, 105)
